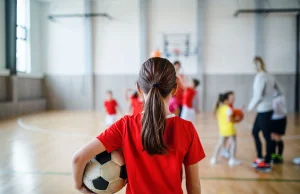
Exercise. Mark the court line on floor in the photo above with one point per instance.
(202, 178)
(36, 172)
(213, 136)
(48, 131)
(249, 179)
(74, 134)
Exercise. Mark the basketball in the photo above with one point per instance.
(238, 115)
(106, 173)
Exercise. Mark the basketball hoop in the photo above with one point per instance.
(176, 52)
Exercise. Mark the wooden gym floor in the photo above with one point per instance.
(36, 152)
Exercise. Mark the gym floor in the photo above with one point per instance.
(36, 152)
(58, 64)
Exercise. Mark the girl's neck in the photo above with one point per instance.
(167, 103)
(167, 110)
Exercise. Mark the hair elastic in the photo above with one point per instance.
(155, 85)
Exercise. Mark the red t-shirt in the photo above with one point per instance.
(111, 107)
(137, 105)
(179, 93)
(188, 97)
(159, 174)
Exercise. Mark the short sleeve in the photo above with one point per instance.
(116, 104)
(229, 113)
(112, 138)
(195, 152)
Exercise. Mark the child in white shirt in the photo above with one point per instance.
(279, 123)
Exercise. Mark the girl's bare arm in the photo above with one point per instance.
(192, 179)
(81, 158)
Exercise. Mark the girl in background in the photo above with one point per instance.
(279, 123)
(155, 143)
(136, 101)
(225, 152)
(227, 131)
(190, 104)
(111, 107)
(177, 99)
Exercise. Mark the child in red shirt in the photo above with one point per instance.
(189, 99)
(177, 99)
(136, 102)
(111, 106)
(155, 143)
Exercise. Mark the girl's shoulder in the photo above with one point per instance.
(223, 109)
(181, 124)
(132, 117)
(261, 76)
(224, 106)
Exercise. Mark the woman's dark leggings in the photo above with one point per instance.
(263, 122)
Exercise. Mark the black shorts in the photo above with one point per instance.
(279, 126)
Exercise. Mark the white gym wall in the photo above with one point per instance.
(58, 47)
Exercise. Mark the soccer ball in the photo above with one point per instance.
(106, 173)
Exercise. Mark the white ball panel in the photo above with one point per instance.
(93, 169)
(110, 171)
(116, 185)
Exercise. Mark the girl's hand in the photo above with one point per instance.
(85, 190)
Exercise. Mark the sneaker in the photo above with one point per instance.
(273, 158)
(225, 153)
(263, 167)
(256, 162)
(234, 162)
(296, 160)
(278, 160)
(213, 161)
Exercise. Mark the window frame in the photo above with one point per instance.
(26, 39)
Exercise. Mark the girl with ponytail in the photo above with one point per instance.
(227, 132)
(155, 143)
(219, 101)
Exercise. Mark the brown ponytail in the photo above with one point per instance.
(218, 103)
(157, 78)
(221, 99)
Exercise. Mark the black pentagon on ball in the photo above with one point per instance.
(103, 157)
(123, 173)
(100, 183)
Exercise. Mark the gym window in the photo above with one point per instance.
(23, 39)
